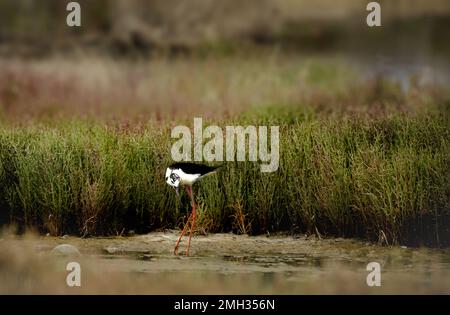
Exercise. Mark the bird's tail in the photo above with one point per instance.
(214, 169)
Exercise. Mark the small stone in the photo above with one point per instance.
(111, 249)
(66, 250)
(65, 236)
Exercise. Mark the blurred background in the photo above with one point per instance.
(411, 48)
(410, 28)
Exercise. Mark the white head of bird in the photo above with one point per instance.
(173, 178)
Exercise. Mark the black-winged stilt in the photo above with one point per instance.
(186, 174)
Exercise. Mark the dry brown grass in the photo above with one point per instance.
(210, 87)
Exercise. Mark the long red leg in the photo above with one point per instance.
(175, 250)
(192, 229)
(193, 221)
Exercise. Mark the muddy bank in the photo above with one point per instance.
(219, 264)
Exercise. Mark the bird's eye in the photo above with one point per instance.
(174, 177)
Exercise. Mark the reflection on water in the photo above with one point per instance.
(220, 264)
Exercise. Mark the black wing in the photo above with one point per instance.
(192, 168)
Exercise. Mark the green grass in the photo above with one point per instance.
(382, 179)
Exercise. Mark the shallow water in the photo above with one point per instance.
(219, 264)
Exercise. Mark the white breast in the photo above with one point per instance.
(186, 179)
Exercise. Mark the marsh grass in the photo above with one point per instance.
(382, 179)
(84, 144)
